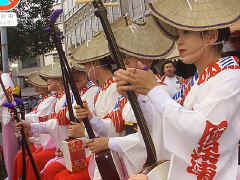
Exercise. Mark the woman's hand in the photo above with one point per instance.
(98, 144)
(19, 126)
(76, 130)
(135, 79)
(59, 153)
(81, 113)
(138, 177)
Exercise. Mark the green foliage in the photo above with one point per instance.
(29, 38)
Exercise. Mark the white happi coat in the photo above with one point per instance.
(202, 134)
(51, 126)
(41, 113)
(57, 127)
(130, 148)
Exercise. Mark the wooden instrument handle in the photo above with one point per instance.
(105, 165)
(147, 169)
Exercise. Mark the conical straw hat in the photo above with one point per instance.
(143, 40)
(76, 66)
(95, 49)
(196, 15)
(51, 71)
(36, 80)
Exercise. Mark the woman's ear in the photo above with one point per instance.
(211, 37)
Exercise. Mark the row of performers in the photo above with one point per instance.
(192, 128)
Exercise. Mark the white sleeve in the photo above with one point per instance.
(217, 112)
(48, 127)
(31, 117)
(2, 98)
(128, 114)
(131, 148)
(46, 107)
(99, 126)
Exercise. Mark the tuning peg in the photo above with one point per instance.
(108, 4)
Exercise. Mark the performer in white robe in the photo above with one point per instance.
(201, 130)
(87, 90)
(10, 144)
(39, 113)
(111, 109)
(44, 109)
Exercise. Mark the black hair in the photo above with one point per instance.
(185, 70)
(167, 62)
(153, 66)
(108, 63)
(223, 35)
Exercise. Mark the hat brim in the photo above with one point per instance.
(52, 71)
(95, 49)
(36, 80)
(202, 15)
(145, 41)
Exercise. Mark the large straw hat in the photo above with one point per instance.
(95, 49)
(141, 39)
(174, 54)
(51, 71)
(36, 80)
(76, 66)
(196, 15)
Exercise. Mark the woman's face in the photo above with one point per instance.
(131, 62)
(41, 91)
(90, 69)
(191, 46)
(52, 85)
(80, 79)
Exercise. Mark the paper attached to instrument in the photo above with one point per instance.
(74, 154)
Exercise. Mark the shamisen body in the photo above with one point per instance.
(200, 126)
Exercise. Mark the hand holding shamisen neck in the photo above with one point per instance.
(140, 80)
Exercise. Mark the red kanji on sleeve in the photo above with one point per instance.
(205, 156)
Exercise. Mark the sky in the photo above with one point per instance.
(4, 2)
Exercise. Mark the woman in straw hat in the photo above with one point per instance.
(87, 89)
(48, 124)
(201, 130)
(39, 113)
(112, 111)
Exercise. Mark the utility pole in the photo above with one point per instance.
(4, 45)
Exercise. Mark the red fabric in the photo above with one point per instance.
(51, 171)
(41, 158)
(61, 117)
(116, 115)
(18, 162)
(80, 175)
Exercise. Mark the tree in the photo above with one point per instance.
(29, 38)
